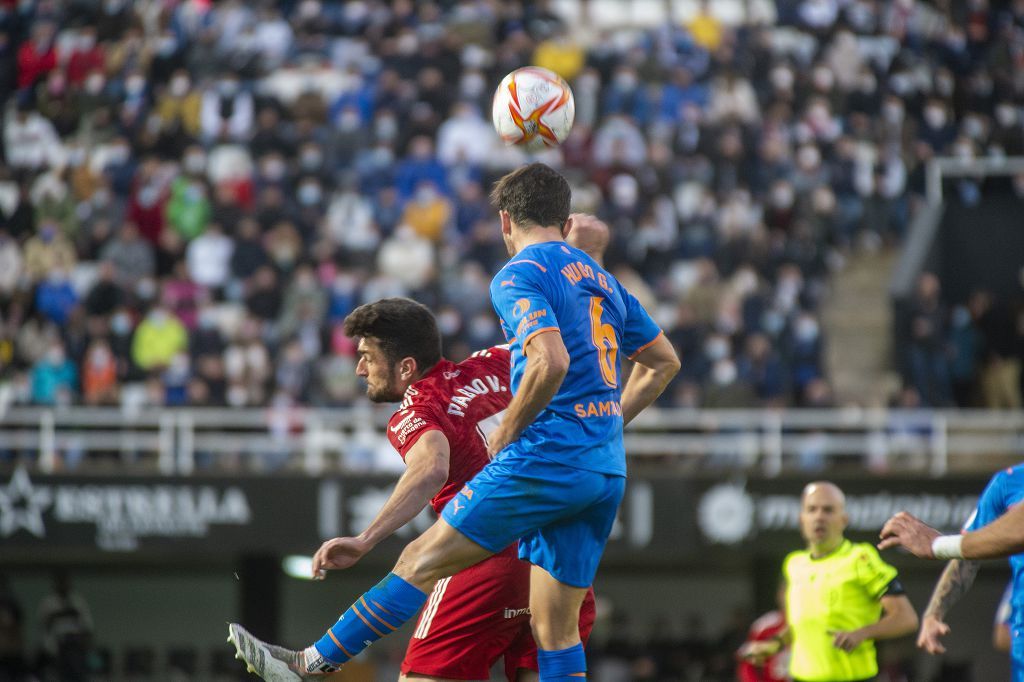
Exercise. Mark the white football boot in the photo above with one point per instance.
(274, 663)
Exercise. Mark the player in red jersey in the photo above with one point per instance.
(440, 430)
(767, 667)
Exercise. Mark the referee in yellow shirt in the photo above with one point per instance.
(840, 596)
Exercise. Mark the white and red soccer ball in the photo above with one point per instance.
(534, 108)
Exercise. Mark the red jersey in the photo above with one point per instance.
(775, 668)
(463, 401)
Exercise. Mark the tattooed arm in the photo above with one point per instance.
(956, 579)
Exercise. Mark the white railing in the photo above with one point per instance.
(181, 441)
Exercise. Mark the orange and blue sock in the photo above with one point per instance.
(382, 610)
(563, 665)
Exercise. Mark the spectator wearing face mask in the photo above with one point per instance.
(227, 111)
(188, 208)
(420, 165)
(132, 257)
(47, 251)
(805, 351)
(30, 140)
(209, 257)
(303, 299)
(148, 200)
(428, 212)
(87, 55)
(54, 377)
(55, 297)
(37, 56)
(158, 338)
(180, 105)
(99, 374)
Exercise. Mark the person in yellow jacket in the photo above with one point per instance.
(158, 338)
(840, 597)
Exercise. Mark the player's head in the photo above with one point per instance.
(531, 197)
(398, 344)
(588, 234)
(823, 515)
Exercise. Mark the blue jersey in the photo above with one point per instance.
(1002, 492)
(553, 286)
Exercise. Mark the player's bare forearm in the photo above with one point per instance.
(655, 366)
(426, 471)
(898, 619)
(547, 363)
(1001, 538)
(956, 579)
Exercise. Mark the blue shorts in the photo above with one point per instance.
(561, 515)
(1016, 654)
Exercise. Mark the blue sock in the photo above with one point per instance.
(379, 612)
(564, 665)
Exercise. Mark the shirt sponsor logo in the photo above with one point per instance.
(520, 307)
(515, 613)
(406, 426)
(529, 322)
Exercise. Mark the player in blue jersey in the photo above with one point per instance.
(993, 530)
(558, 468)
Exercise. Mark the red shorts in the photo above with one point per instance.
(477, 616)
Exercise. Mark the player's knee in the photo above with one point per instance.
(552, 634)
(420, 565)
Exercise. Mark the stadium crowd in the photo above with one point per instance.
(194, 194)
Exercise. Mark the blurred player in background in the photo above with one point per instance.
(1001, 635)
(993, 530)
(769, 627)
(558, 472)
(840, 597)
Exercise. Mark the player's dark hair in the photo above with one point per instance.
(402, 327)
(533, 195)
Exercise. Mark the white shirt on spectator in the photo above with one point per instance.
(228, 162)
(239, 125)
(275, 40)
(349, 222)
(618, 140)
(10, 266)
(208, 258)
(33, 143)
(407, 258)
(459, 138)
(735, 99)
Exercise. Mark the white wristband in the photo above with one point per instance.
(948, 547)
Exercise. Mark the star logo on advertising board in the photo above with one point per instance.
(22, 506)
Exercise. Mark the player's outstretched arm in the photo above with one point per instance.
(956, 579)
(655, 367)
(426, 471)
(907, 531)
(547, 363)
(1001, 538)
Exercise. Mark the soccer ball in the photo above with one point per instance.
(533, 107)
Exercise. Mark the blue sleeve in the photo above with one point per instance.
(640, 330)
(991, 504)
(521, 298)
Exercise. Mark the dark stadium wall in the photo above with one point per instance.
(982, 246)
